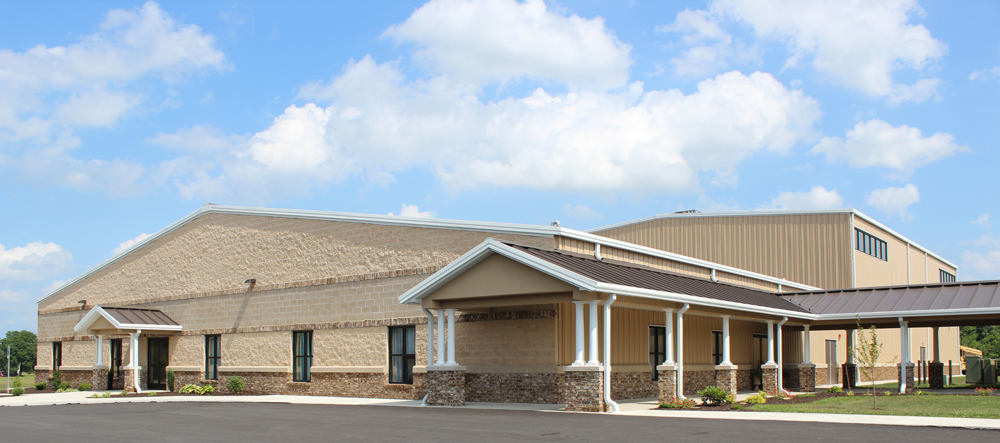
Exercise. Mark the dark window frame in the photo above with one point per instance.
(871, 245)
(717, 347)
(657, 334)
(947, 277)
(56, 355)
(302, 358)
(212, 362)
(409, 358)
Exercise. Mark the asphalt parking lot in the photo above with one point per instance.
(252, 422)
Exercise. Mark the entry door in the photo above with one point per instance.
(831, 362)
(115, 371)
(158, 361)
(759, 350)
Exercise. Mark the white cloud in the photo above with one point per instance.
(981, 265)
(34, 261)
(581, 211)
(631, 140)
(877, 143)
(502, 40)
(858, 45)
(895, 201)
(198, 139)
(413, 211)
(985, 74)
(983, 220)
(8, 297)
(709, 47)
(129, 243)
(814, 199)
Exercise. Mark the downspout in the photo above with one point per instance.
(607, 355)
(854, 243)
(680, 351)
(430, 346)
(781, 385)
(714, 279)
(597, 252)
(135, 360)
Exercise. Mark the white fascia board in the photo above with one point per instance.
(910, 314)
(604, 241)
(91, 317)
(481, 252)
(700, 301)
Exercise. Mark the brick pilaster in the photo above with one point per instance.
(725, 378)
(909, 376)
(807, 377)
(667, 383)
(935, 375)
(583, 388)
(99, 379)
(770, 378)
(446, 387)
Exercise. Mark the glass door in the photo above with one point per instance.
(158, 360)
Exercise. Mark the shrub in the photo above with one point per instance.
(56, 379)
(207, 389)
(714, 396)
(64, 386)
(61, 390)
(190, 389)
(16, 383)
(757, 399)
(18, 391)
(152, 394)
(850, 393)
(84, 386)
(94, 396)
(687, 403)
(985, 391)
(835, 390)
(40, 386)
(735, 407)
(124, 393)
(171, 377)
(235, 384)
(106, 394)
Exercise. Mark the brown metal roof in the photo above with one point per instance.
(134, 316)
(627, 274)
(940, 296)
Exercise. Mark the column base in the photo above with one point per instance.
(583, 388)
(725, 378)
(909, 376)
(935, 375)
(99, 378)
(446, 385)
(806, 373)
(770, 380)
(849, 378)
(667, 383)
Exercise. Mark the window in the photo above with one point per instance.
(947, 277)
(56, 354)
(657, 348)
(213, 355)
(717, 350)
(870, 244)
(302, 351)
(402, 354)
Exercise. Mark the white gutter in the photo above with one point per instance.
(607, 355)
(781, 385)
(680, 351)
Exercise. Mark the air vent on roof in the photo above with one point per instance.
(689, 211)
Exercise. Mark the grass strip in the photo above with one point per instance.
(960, 406)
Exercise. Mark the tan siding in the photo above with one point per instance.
(872, 271)
(806, 248)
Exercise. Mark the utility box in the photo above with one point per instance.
(973, 369)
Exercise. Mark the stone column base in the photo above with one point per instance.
(99, 379)
(849, 378)
(667, 383)
(725, 378)
(770, 380)
(909, 376)
(583, 388)
(806, 377)
(446, 386)
(128, 375)
(935, 375)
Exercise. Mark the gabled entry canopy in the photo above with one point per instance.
(109, 320)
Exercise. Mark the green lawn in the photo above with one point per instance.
(26, 381)
(957, 383)
(920, 405)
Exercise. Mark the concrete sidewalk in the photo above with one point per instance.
(636, 408)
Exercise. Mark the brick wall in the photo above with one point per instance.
(627, 385)
(514, 388)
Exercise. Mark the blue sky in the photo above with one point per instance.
(118, 118)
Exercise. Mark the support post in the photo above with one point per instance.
(430, 337)
(99, 350)
(780, 361)
(935, 369)
(578, 319)
(593, 333)
(905, 367)
(770, 369)
(669, 338)
(770, 342)
(680, 351)
(440, 342)
(725, 372)
(451, 338)
(807, 370)
(725, 341)
(850, 370)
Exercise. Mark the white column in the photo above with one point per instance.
(725, 341)
(99, 350)
(904, 342)
(669, 337)
(770, 342)
(578, 319)
(440, 341)
(451, 338)
(806, 340)
(593, 333)
(850, 345)
(134, 357)
(430, 337)
(937, 346)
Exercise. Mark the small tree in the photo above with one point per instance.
(867, 353)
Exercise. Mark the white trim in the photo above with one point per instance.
(98, 311)
(462, 225)
(766, 213)
(910, 314)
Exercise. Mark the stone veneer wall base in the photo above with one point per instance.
(445, 387)
(584, 391)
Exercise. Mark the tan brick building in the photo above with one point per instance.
(323, 303)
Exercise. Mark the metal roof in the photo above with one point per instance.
(960, 296)
(626, 274)
(135, 316)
